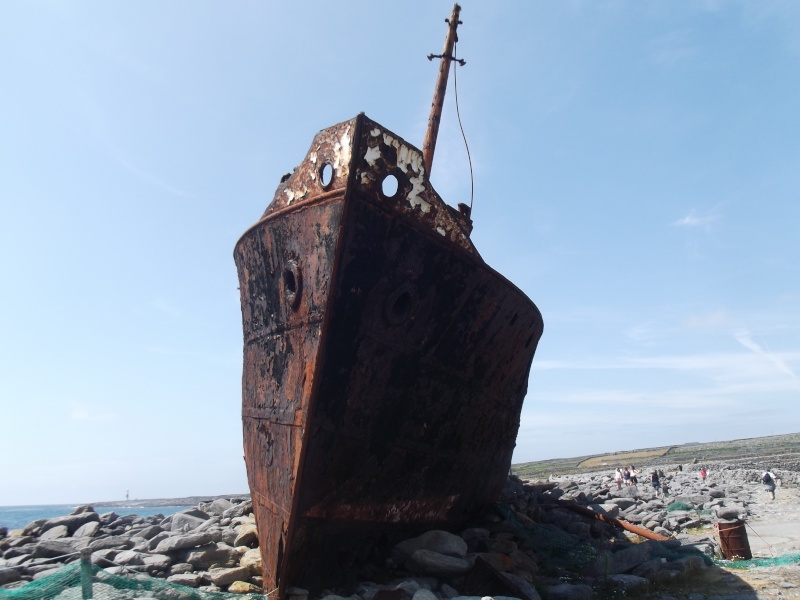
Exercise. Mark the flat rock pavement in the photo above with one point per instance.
(774, 526)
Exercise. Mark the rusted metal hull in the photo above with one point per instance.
(385, 364)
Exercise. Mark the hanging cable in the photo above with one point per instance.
(458, 114)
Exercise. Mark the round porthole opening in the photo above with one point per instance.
(389, 186)
(326, 175)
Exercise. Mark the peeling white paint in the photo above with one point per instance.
(372, 154)
(375, 132)
(313, 157)
(413, 198)
(441, 231)
(289, 196)
(341, 150)
(366, 178)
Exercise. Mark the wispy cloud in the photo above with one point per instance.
(713, 320)
(777, 359)
(698, 219)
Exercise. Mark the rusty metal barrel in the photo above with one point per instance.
(733, 540)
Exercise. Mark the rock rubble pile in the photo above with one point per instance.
(531, 544)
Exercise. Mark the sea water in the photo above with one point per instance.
(17, 517)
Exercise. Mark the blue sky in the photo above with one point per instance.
(637, 167)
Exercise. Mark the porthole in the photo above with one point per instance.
(389, 186)
(400, 305)
(326, 175)
(292, 284)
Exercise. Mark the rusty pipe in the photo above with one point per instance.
(642, 531)
(429, 144)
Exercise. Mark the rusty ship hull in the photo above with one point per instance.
(385, 364)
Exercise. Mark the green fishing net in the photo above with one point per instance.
(777, 561)
(562, 549)
(78, 582)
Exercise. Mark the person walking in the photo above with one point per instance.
(626, 476)
(768, 479)
(655, 482)
(703, 474)
(618, 478)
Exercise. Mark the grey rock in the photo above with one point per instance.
(424, 594)
(72, 522)
(188, 520)
(45, 572)
(182, 567)
(622, 503)
(192, 580)
(209, 555)
(55, 533)
(157, 539)
(523, 585)
(128, 558)
(104, 558)
(108, 518)
(568, 591)
(9, 575)
(437, 541)
(156, 562)
(224, 577)
(621, 561)
(216, 507)
(150, 532)
(116, 542)
(429, 562)
(649, 567)
(87, 529)
(52, 549)
(628, 582)
(247, 535)
(239, 510)
(180, 542)
(609, 509)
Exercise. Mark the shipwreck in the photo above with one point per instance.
(385, 363)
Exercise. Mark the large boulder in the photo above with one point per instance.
(216, 507)
(225, 577)
(188, 520)
(247, 535)
(239, 510)
(55, 533)
(437, 541)
(252, 560)
(87, 529)
(72, 522)
(9, 575)
(210, 555)
(428, 562)
(181, 542)
(117, 542)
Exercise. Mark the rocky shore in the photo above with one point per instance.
(538, 541)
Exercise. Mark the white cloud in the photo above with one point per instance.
(697, 219)
(779, 360)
